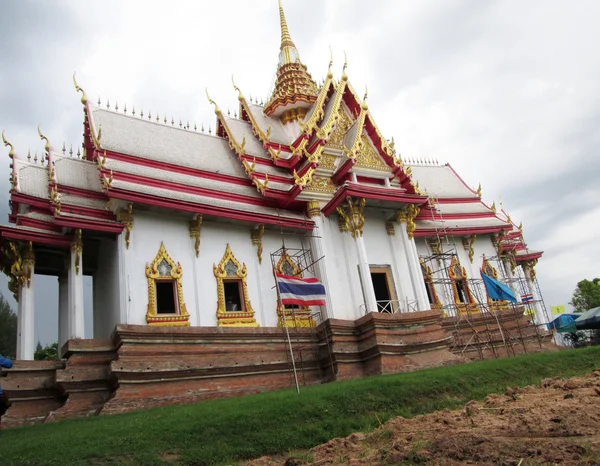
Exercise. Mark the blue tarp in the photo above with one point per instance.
(498, 290)
(564, 323)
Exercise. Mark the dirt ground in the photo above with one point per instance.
(555, 423)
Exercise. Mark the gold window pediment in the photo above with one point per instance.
(294, 317)
(430, 285)
(460, 287)
(229, 272)
(163, 271)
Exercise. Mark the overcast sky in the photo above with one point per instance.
(505, 91)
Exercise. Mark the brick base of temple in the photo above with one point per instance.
(142, 367)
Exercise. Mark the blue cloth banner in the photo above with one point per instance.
(498, 290)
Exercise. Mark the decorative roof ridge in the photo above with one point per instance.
(318, 109)
(264, 138)
(239, 149)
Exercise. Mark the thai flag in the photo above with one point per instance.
(300, 291)
(526, 298)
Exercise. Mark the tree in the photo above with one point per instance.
(47, 353)
(586, 295)
(8, 329)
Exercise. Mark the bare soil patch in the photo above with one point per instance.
(557, 422)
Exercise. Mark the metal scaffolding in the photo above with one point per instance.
(303, 347)
(480, 324)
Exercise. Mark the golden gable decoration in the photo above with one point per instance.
(163, 270)
(336, 141)
(231, 270)
(369, 158)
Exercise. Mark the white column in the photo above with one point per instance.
(63, 309)
(365, 272)
(396, 254)
(75, 290)
(416, 276)
(511, 276)
(318, 247)
(25, 318)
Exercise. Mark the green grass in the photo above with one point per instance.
(225, 431)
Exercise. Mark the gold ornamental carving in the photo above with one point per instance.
(369, 158)
(434, 299)
(328, 161)
(295, 316)
(195, 228)
(321, 184)
(389, 228)
(352, 216)
(407, 215)
(460, 287)
(231, 270)
(336, 141)
(303, 180)
(256, 236)
(77, 249)
(164, 269)
(313, 209)
(468, 242)
(125, 216)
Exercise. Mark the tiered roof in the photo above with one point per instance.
(257, 168)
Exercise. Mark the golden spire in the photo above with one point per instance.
(295, 90)
(286, 39)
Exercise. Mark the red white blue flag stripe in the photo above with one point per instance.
(300, 291)
(526, 298)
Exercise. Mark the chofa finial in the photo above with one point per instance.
(11, 152)
(237, 89)
(44, 138)
(79, 89)
(212, 102)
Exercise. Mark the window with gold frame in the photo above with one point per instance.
(295, 316)
(233, 305)
(490, 271)
(460, 287)
(166, 305)
(432, 295)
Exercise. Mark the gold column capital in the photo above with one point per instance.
(351, 216)
(313, 209)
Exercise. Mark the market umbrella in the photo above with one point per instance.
(589, 319)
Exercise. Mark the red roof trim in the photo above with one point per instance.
(81, 192)
(142, 180)
(464, 231)
(34, 236)
(37, 223)
(209, 210)
(89, 224)
(371, 192)
(176, 168)
(528, 257)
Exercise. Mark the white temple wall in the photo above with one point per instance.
(483, 245)
(342, 270)
(106, 289)
(260, 281)
(148, 231)
(383, 250)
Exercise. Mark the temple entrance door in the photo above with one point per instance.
(384, 289)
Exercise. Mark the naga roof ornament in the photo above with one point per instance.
(294, 86)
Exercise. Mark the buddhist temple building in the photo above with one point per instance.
(183, 228)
